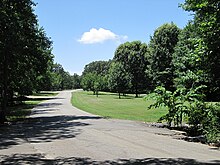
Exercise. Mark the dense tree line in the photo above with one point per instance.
(182, 65)
(26, 61)
(174, 57)
(136, 67)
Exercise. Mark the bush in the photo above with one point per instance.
(202, 116)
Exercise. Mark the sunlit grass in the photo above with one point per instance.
(109, 105)
(45, 94)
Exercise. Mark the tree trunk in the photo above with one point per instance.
(119, 95)
(136, 92)
(3, 106)
(4, 90)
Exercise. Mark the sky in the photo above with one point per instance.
(83, 31)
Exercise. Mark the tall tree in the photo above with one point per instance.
(24, 49)
(132, 55)
(188, 59)
(161, 48)
(98, 67)
(76, 81)
(95, 68)
(207, 22)
(118, 78)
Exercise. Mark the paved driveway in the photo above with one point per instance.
(58, 133)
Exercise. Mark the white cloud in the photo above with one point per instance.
(99, 35)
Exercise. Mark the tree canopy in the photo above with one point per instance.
(161, 48)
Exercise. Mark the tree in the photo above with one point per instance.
(93, 82)
(188, 59)
(88, 81)
(207, 23)
(132, 55)
(76, 81)
(24, 49)
(96, 68)
(161, 48)
(118, 78)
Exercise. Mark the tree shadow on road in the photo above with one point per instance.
(42, 129)
(41, 160)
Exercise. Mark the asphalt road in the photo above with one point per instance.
(58, 133)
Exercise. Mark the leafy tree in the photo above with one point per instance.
(118, 78)
(24, 48)
(61, 79)
(132, 55)
(93, 82)
(88, 81)
(96, 68)
(188, 59)
(76, 81)
(99, 83)
(161, 48)
(207, 23)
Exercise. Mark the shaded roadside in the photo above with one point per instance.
(40, 160)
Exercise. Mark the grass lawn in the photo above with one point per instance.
(108, 105)
(19, 112)
(45, 94)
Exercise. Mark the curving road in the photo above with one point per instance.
(58, 133)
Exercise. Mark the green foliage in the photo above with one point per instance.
(76, 81)
(133, 57)
(190, 104)
(93, 82)
(60, 79)
(25, 50)
(118, 78)
(161, 48)
(188, 60)
(88, 81)
(98, 67)
(174, 101)
(207, 23)
(94, 76)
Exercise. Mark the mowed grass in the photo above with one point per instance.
(20, 111)
(110, 106)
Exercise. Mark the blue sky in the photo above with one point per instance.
(83, 31)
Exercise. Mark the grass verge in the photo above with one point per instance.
(108, 105)
(19, 111)
(45, 94)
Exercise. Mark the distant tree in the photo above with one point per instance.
(88, 81)
(97, 68)
(76, 81)
(132, 55)
(161, 48)
(118, 78)
(99, 83)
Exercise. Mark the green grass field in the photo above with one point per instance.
(108, 105)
